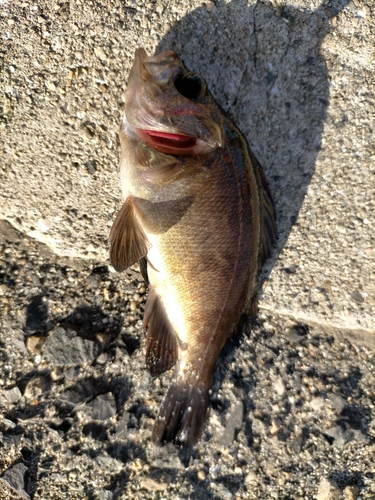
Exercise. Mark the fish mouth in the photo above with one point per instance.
(165, 142)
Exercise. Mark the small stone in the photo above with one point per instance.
(13, 395)
(210, 7)
(275, 426)
(351, 492)
(338, 435)
(150, 484)
(234, 423)
(102, 358)
(34, 343)
(167, 458)
(357, 297)
(15, 476)
(279, 386)
(36, 386)
(251, 477)
(214, 472)
(102, 407)
(91, 166)
(328, 490)
(65, 347)
(20, 344)
(106, 462)
(296, 333)
(122, 429)
(317, 403)
(6, 425)
(105, 495)
(79, 392)
(338, 403)
(201, 475)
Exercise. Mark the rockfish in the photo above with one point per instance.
(199, 218)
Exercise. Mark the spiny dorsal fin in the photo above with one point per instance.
(161, 351)
(268, 229)
(127, 239)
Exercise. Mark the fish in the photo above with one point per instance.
(199, 218)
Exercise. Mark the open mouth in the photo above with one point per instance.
(173, 144)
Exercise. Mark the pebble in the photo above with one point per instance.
(338, 435)
(279, 386)
(214, 472)
(338, 403)
(233, 424)
(102, 407)
(201, 475)
(13, 395)
(150, 484)
(357, 297)
(351, 492)
(167, 457)
(275, 426)
(91, 166)
(65, 347)
(6, 424)
(15, 476)
(36, 386)
(251, 477)
(317, 403)
(328, 490)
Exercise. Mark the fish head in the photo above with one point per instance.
(170, 108)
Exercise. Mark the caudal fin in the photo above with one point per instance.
(182, 414)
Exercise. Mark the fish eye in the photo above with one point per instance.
(190, 86)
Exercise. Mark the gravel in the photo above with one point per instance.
(292, 408)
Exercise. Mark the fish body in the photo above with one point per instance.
(198, 216)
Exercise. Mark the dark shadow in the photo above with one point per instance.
(88, 321)
(37, 316)
(31, 458)
(264, 66)
(344, 478)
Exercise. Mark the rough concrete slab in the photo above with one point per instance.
(296, 76)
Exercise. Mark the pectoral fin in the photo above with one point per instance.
(127, 238)
(161, 351)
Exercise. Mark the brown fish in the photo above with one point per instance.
(199, 218)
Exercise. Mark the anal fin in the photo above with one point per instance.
(161, 350)
(127, 238)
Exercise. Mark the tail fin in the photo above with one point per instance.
(182, 414)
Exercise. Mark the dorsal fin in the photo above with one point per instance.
(127, 238)
(268, 229)
(161, 350)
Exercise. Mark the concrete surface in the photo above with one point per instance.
(297, 77)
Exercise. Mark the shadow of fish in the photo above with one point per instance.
(199, 218)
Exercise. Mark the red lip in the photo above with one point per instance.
(172, 144)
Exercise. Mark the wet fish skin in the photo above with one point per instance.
(199, 217)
